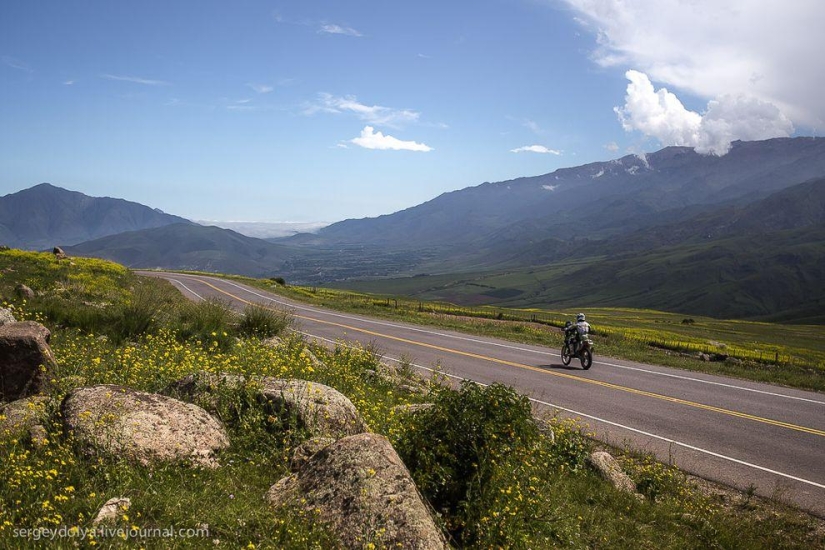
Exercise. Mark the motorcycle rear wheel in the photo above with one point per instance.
(586, 359)
(565, 355)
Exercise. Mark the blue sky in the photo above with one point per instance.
(326, 110)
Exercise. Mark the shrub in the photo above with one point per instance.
(457, 447)
(208, 321)
(264, 322)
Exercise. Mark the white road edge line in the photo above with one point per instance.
(188, 289)
(596, 418)
(517, 348)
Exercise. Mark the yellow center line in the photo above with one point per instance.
(609, 385)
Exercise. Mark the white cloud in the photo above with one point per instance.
(762, 49)
(370, 139)
(373, 114)
(338, 29)
(660, 114)
(16, 64)
(261, 88)
(535, 149)
(612, 146)
(135, 80)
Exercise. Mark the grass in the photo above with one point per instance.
(509, 485)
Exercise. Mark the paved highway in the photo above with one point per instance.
(731, 431)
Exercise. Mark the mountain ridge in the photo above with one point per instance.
(45, 215)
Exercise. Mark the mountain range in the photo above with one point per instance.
(741, 235)
(44, 215)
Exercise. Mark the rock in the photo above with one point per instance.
(607, 467)
(145, 427)
(112, 509)
(39, 436)
(26, 360)
(6, 317)
(545, 428)
(361, 490)
(704, 357)
(272, 342)
(24, 292)
(18, 417)
(58, 253)
(307, 450)
(317, 364)
(322, 410)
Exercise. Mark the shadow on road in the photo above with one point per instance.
(557, 366)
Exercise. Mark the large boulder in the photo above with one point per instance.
(26, 360)
(322, 410)
(145, 427)
(360, 488)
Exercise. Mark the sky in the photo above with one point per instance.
(318, 111)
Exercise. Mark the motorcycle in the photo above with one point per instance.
(584, 353)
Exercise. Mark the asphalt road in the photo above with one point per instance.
(743, 434)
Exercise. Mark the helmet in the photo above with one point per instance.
(580, 317)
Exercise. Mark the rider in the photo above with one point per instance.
(578, 331)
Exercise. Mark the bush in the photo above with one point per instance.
(264, 322)
(456, 448)
(208, 321)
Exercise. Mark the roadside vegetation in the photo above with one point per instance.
(493, 477)
(790, 355)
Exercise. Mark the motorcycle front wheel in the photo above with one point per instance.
(586, 359)
(565, 355)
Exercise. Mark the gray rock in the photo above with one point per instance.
(145, 427)
(273, 342)
(112, 509)
(6, 317)
(18, 417)
(609, 469)
(322, 410)
(361, 490)
(26, 360)
(23, 291)
(39, 436)
(307, 450)
(58, 253)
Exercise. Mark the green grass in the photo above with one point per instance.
(522, 491)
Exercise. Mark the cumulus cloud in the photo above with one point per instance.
(535, 149)
(660, 114)
(338, 29)
(370, 139)
(373, 114)
(743, 48)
